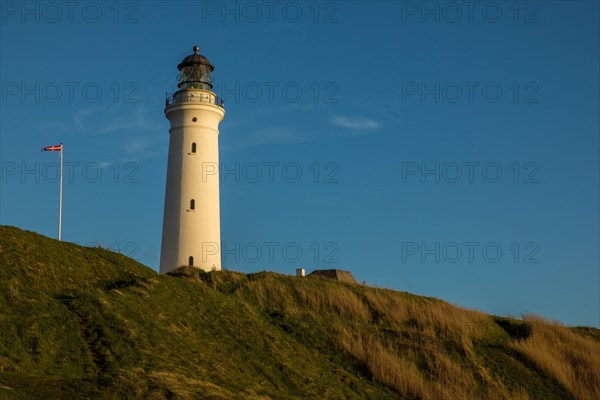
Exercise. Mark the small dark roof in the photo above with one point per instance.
(195, 59)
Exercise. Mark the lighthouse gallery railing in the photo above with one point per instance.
(187, 97)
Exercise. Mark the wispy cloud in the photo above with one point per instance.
(106, 164)
(142, 147)
(267, 136)
(81, 117)
(273, 109)
(88, 121)
(358, 123)
(272, 135)
(288, 135)
(143, 129)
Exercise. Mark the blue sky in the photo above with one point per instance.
(438, 148)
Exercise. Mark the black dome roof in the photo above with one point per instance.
(195, 59)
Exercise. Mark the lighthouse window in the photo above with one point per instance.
(191, 261)
(193, 147)
(192, 204)
(194, 119)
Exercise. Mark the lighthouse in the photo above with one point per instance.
(191, 233)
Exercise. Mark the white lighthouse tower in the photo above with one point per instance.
(191, 225)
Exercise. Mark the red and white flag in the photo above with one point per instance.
(58, 147)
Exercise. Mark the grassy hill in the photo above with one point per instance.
(86, 323)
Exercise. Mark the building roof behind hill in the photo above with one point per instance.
(334, 274)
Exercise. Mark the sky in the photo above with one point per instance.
(447, 149)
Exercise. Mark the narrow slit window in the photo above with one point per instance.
(192, 204)
(191, 261)
(193, 148)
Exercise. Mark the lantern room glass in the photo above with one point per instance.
(195, 77)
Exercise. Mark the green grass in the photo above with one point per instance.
(86, 323)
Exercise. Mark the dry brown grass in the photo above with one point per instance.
(334, 299)
(424, 348)
(431, 357)
(572, 359)
(421, 348)
(383, 365)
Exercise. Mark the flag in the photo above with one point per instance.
(58, 147)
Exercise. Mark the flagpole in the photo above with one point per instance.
(60, 195)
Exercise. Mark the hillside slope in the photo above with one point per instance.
(86, 323)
